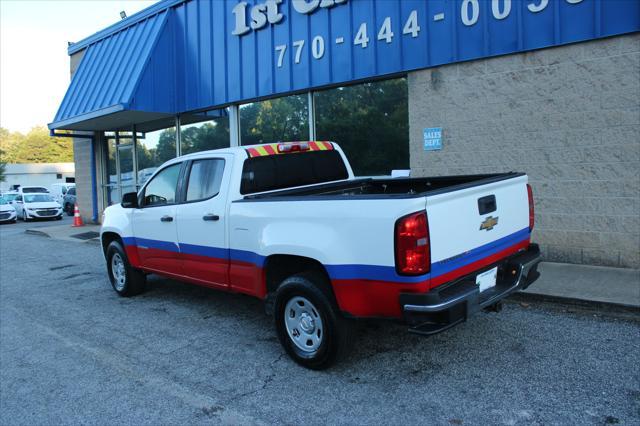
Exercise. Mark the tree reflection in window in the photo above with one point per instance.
(275, 120)
(370, 122)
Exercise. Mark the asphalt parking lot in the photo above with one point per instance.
(73, 352)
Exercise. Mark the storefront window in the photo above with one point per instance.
(274, 120)
(120, 170)
(210, 132)
(370, 122)
(111, 187)
(154, 149)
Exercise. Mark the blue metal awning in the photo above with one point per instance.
(108, 77)
(182, 56)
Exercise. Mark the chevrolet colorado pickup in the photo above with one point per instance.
(289, 223)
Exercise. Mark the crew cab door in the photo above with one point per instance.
(202, 220)
(154, 222)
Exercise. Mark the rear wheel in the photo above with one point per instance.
(125, 280)
(308, 321)
(69, 209)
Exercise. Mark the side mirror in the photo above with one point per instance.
(130, 200)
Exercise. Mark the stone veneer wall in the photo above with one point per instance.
(569, 117)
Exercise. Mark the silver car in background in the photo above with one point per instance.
(37, 206)
(7, 212)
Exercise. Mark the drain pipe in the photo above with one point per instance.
(94, 182)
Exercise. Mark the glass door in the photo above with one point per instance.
(126, 172)
(110, 187)
(120, 168)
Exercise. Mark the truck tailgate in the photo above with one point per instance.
(473, 227)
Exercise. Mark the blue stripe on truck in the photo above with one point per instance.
(344, 272)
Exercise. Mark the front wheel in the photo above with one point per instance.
(25, 218)
(125, 280)
(309, 324)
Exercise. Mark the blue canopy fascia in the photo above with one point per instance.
(109, 75)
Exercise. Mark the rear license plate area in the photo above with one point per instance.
(487, 279)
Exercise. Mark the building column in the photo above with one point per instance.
(234, 125)
(178, 137)
(312, 116)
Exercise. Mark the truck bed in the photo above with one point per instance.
(388, 188)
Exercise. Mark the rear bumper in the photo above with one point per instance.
(452, 303)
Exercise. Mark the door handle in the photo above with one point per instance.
(166, 219)
(210, 217)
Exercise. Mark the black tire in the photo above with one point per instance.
(69, 209)
(59, 217)
(336, 331)
(24, 216)
(134, 281)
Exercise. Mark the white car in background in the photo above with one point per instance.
(7, 212)
(9, 196)
(59, 190)
(33, 190)
(37, 206)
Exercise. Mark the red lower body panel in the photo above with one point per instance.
(368, 298)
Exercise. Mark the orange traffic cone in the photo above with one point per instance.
(77, 220)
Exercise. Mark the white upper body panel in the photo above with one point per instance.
(341, 231)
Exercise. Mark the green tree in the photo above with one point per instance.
(205, 136)
(166, 148)
(282, 119)
(370, 122)
(3, 166)
(37, 146)
(145, 157)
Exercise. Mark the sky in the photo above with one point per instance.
(34, 65)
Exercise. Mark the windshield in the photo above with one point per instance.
(37, 198)
(34, 189)
(3, 201)
(9, 197)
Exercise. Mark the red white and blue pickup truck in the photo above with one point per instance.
(289, 223)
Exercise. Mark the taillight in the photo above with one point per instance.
(531, 208)
(413, 256)
(293, 147)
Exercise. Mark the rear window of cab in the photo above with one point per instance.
(273, 172)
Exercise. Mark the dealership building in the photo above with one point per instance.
(438, 87)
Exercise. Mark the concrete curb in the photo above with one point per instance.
(36, 232)
(64, 233)
(573, 301)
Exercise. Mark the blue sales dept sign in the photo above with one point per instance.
(432, 138)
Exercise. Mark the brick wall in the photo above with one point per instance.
(569, 117)
(82, 160)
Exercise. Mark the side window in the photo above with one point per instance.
(204, 179)
(19, 198)
(162, 188)
(71, 191)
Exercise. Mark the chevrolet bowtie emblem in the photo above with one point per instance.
(489, 223)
